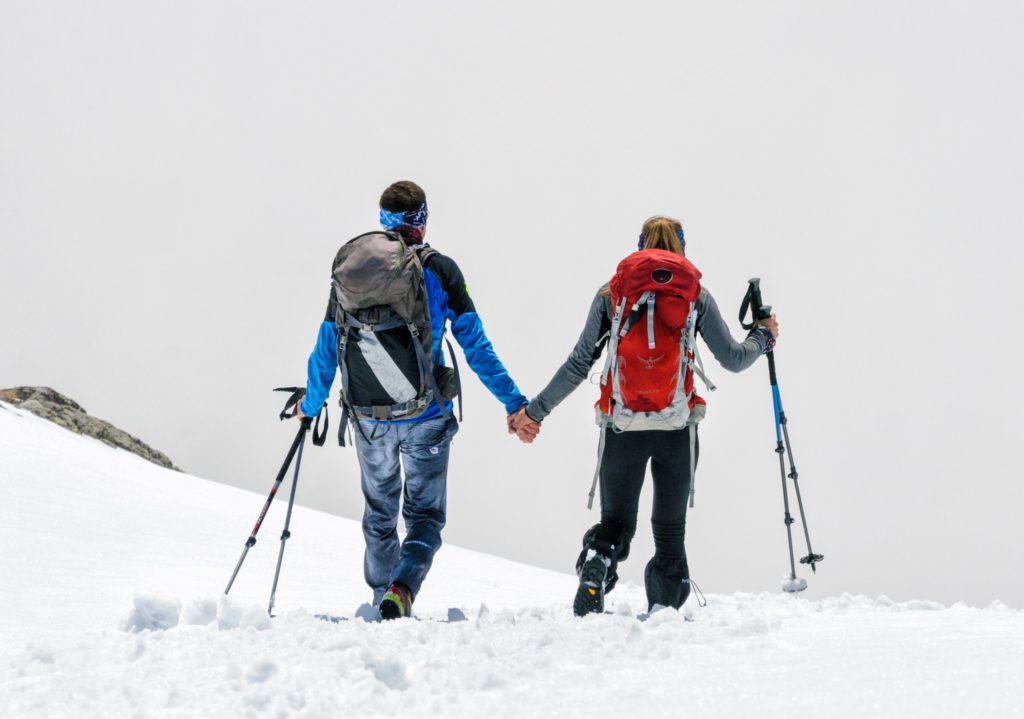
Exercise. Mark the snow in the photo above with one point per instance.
(111, 584)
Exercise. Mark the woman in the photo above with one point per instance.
(624, 452)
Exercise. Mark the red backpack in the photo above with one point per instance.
(647, 382)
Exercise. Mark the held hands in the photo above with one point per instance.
(521, 425)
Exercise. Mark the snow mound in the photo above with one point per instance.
(152, 612)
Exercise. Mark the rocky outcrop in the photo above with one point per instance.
(52, 405)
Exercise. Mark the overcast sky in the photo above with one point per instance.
(175, 178)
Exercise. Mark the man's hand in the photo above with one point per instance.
(772, 324)
(298, 411)
(521, 425)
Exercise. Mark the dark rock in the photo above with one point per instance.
(52, 405)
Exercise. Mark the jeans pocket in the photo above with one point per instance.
(431, 438)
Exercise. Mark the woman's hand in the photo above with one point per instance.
(772, 324)
(521, 425)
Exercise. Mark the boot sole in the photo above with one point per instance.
(590, 594)
(390, 610)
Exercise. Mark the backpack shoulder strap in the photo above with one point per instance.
(425, 253)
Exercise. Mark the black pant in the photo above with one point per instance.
(623, 466)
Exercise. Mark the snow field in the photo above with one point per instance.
(112, 610)
(763, 655)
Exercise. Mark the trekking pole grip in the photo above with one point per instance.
(753, 303)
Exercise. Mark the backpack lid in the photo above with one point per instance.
(660, 271)
(378, 269)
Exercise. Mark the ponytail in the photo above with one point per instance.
(663, 233)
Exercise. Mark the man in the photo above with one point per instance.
(395, 571)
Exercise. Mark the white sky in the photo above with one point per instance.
(175, 178)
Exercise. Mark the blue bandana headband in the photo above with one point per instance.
(643, 240)
(411, 218)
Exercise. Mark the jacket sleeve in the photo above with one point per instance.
(322, 365)
(577, 366)
(468, 331)
(732, 355)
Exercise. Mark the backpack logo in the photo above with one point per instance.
(649, 363)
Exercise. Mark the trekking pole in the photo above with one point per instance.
(783, 448)
(285, 534)
(296, 447)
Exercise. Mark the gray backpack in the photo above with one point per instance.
(384, 333)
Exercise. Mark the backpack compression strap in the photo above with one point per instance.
(425, 372)
(644, 304)
(693, 460)
(597, 470)
(695, 364)
(613, 351)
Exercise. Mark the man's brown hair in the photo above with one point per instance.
(403, 196)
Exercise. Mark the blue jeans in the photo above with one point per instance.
(423, 449)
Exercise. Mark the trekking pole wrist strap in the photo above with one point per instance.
(291, 405)
(292, 408)
(320, 435)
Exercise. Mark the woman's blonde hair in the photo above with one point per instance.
(662, 233)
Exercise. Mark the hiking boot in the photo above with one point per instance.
(667, 582)
(590, 593)
(396, 603)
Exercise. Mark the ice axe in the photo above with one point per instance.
(759, 311)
